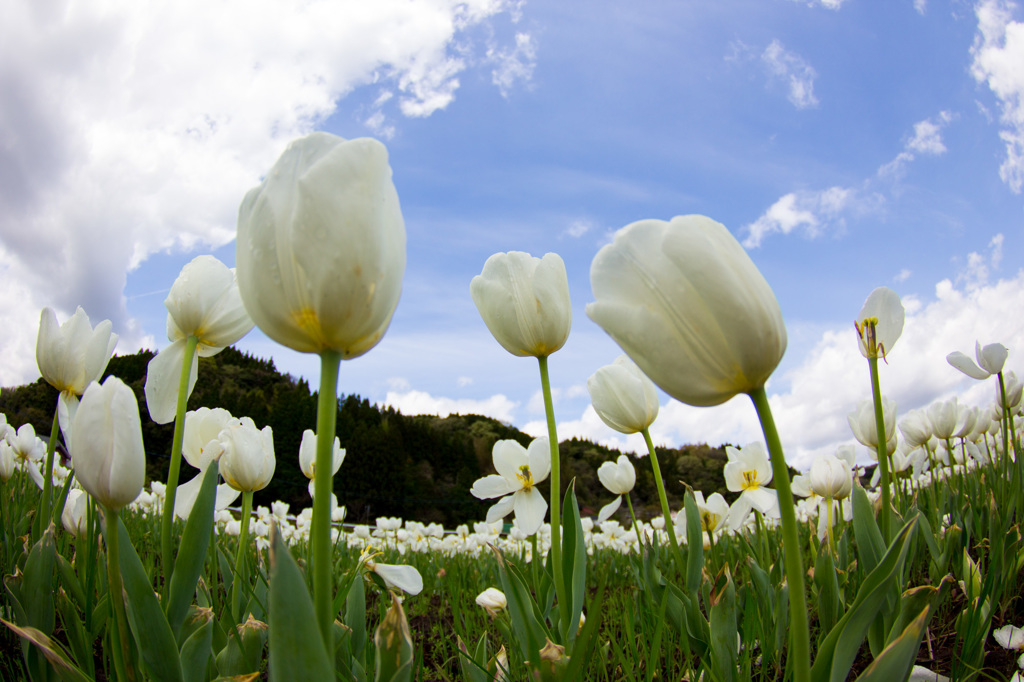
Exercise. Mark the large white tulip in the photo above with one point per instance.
(72, 355)
(623, 397)
(321, 246)
(106, 444)
(203, 302)
(687, 304)
(524, 301)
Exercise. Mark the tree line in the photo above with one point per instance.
(416, 467)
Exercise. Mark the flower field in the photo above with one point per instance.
(915, 574)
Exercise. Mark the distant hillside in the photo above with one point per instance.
(417, 467)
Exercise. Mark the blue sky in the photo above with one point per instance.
(848, 144)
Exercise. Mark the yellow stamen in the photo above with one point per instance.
(525, 477)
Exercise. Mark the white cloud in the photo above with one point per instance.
(513, 65)
(921, 6)
(978, 267)
(827, 4)
(578, 228)
(807, 211)
(927, 141)
(791, 69)
(998, 53)
(902, 276)
(419, 402)
(134, 128)
(462, 382)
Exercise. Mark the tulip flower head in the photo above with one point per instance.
(248, 461)
(865, 430)
(519, 471)
(321, 246)
(524, 301)
(618, 478)
(830, 477)
(623, 397)
(106, 444)
(201, 445)
(307, 454)
(493, 601)
(71, 356)
(204, 302)
(748, 472)
(880, 322)
(687, 304)
(991, 359)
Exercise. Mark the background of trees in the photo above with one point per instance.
(416, 467)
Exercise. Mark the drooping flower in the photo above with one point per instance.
(70, 356)
(321, 246)
(687, 304)
(201, 445)
(204, 302)
(524, 301)
(623, 397)
(106, 444)
(519, 471)
(991, 359)
(493, 601)
(880, 322)
(618, 478)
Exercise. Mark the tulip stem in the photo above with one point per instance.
(243, 541)
(632, 516)
(800, 632)
(170, 492)
(663, 498)
(43, 521)
(115, 591)
(323, 477)
(556, 493)
(882, 450)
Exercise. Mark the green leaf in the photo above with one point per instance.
(472, 669)
(574, 563)
(74, 630)
(724, 630)
(355, 616)
(694, 544)
(527, 621)
(37, 584)
(52, 651)
(393, 643)
(297, 649)
(870, 545)
(829, 602)
(70, 580)
(195, 539)
(840, 646)
(896, 660)
(197, 651)
(146, 619)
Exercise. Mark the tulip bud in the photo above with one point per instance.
(493, 601)
(106, 444)
(248, 461)
(321, 246)
(830, 477)
(524, 302)
(687, 304)
(623, 397)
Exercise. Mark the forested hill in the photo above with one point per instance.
(416, 467)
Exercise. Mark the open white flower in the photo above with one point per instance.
(748, 472)
(991, 359)
(618, 478)
(880, 322)
(201, 445)
(519, 471)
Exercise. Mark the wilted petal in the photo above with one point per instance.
(609, 509)
(405, 578)
(163, 376)
(966, 365)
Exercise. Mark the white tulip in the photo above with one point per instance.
(248, 461)
(623, 396)
(880, 322)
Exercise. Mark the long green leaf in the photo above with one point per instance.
(840, 647)
(197, 651)
(296, 645)
(896, 660)
(724, 629)
(694, 544)
(195, 540)
(37, 586)
(52, 651)
(148, 623)
(527, 622)
(574, 563)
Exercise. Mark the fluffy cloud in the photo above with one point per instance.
(807, 211)
(791, 69)
(997, 53)
(418, 402)
(129, 128)
(926, 141)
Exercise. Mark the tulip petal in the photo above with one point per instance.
(405, 578)
(163, 377)
(509, 456)
(530, 507)
(992, 357)
(966, 365)
(609, 509)
(492, 486)
(501, 508)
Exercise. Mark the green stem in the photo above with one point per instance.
(43, 520)
(882, 450)
(323, 477)
(114, 590)
(556, 493)
(636, 526)
(170, 492)
(243, 542)
(670, 526)
(800, 632)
